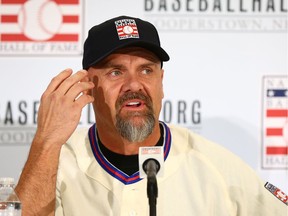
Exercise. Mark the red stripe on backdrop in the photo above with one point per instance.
(9, 18)
(13, 1)
(70, 19)
(277, 150)
(274, 131)
(67, 1)
(65, 38)
(23, 1)
(23, 38)
(14, 19)
(277, 113)
(14, 37)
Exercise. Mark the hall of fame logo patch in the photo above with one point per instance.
(275, 122)
(48, 27)
(279, 194)
(126, 28)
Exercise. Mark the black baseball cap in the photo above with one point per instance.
(119, 32)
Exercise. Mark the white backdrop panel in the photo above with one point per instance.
(213, 83)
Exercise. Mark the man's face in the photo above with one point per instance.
(128, 92)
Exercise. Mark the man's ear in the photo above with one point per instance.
(162, 77)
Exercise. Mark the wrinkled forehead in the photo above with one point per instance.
(133, 51)
(138, 51)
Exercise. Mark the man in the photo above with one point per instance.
(96, 171)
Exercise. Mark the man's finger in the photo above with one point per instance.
(57, 80)
(69, 82)
(83, 100)
(79, 88)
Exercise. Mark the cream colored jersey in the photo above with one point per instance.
(200, 178)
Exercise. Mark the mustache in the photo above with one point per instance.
(134, 95)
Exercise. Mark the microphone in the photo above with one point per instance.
(151, 167)
(150, 161)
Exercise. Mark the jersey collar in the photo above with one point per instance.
(110, 168)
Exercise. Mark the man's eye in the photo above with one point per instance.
(115, 73)
(146, 71)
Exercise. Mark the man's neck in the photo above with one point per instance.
(126, 163)
(115, 143)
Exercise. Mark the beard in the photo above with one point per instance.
(132, 130)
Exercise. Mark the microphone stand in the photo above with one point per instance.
(151, 167)
(152, 192)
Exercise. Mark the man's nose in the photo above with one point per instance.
(132, 83)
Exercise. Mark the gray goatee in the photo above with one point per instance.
(130, 130)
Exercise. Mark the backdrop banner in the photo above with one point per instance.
(227, 78)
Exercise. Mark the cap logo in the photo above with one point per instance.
(126, 28)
